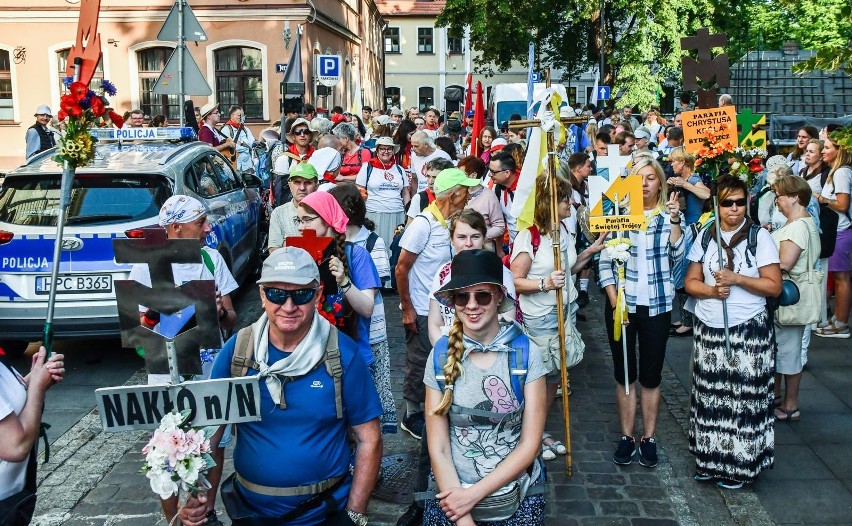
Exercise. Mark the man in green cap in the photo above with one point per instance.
(303, 181)
(425, 248)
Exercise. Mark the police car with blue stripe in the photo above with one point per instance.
(116, 196)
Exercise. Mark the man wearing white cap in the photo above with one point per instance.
(293, 466)
(185, 217)
(38, 137)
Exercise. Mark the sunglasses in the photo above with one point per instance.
(481, 297)
(728, 203)
(302, 131)
(280, 296)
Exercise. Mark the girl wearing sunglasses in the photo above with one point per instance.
(484, 426)
(348, 275)
(731, 420)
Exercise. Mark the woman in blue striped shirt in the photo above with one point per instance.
(649, 291)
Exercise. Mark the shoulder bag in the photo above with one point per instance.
(806, 310)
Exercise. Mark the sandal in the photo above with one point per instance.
(834, 331)
(787, 416)
(547, 453)
(555, 446)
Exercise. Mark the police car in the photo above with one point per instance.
(116, 196)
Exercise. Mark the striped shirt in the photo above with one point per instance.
(661, 257)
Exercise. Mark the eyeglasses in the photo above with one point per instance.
(728, 203)
(304, 220)
(302, 131)
(280, 296)
(481, 297)
(384, 149)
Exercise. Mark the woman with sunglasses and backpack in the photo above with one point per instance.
(484, 426)
(731, 431)
(349, 277)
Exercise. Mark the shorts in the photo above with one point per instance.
(841, 260)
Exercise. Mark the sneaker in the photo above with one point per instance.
(412, 516)
(833, 332)
(414, 424)
(625, 452)
(730, 484)
(583, 298)
(648, 452)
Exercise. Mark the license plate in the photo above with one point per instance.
(82, 284)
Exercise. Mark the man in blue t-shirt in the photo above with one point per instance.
(301, 439)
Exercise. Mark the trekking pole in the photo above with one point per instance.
(721, 266)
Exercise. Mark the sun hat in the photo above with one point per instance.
(387, 141)
(44, 109)
(475, 267)
(451, 177)
(775, 160)
(298, 122)
(289, 265)
(207, 109)
(642, 132)
(181, 209)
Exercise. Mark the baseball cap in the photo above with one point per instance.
(304, 170)
(396, 111)
(451, 177)
(470, 113)
(289, 265)
(642, 132)
(44, 109)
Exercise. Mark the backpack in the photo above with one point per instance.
(426, 198)
(371, 242)
(395, 251)
(360, 162)
(242, 361)
(828, 220)
(535, 241)
(754, 204)
(370, 172)
(263, 168)
(751, 246)
(519, 360)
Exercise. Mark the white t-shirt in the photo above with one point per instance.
(414, 206)
(378, 326)
(184, 272)
(839, 184)
(418, 165)
(430, 240)
(13, 397)
(540, 303)
(384, 189)
(443, 276)
(742, 305)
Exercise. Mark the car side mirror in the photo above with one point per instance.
(251, 181)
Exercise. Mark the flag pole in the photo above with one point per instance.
(560, 306)
(619, 294)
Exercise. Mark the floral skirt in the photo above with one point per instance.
(530, 513)
(380, 369)
(731, 431)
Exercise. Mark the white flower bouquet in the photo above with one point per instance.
(177, 457)
(618, 249)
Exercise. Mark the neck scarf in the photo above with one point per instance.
(295, 151)
(501, 343)
(304, 358)
(436, 213)
(740, 236)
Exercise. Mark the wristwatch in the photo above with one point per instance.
(358, 518)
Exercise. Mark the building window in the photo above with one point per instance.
(392, 40)
(392, 97)
(6, 110)
(151, 62)
(454, 46)
(62, 57)
(426, 98)
(238, 80)
(425, 40)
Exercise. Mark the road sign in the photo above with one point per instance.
(210, 402)
(192, 30)
(603, 92)
(280, 68)
(328, 70)
(536, 76)
(194, 82)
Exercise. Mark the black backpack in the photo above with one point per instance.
(828, 220)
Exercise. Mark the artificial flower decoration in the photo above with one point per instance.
(716, 158)
(84, 109)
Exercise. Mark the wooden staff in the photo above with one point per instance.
(526, 123)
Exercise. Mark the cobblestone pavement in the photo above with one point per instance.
(93, 479)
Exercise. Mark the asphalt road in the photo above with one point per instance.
(94, 363)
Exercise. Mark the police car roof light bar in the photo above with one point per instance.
(144, 134)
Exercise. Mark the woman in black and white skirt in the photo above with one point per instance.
(731, 429)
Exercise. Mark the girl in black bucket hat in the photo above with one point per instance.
(484, 426)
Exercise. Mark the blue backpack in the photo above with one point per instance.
(519, 359)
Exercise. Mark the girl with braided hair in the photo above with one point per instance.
(349, 277)
(485, 405)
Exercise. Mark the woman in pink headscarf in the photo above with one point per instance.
(349, 277)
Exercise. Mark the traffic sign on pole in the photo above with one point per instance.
(192, 30)
(603, 92)
(194, 82)
(328, 69)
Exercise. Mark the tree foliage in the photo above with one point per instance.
(643, 40)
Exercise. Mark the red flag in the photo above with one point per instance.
(468, 99)
(478, 121)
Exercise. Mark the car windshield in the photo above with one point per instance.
(95, 199)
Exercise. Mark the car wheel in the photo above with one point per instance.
(260, 254)
(14, 348)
